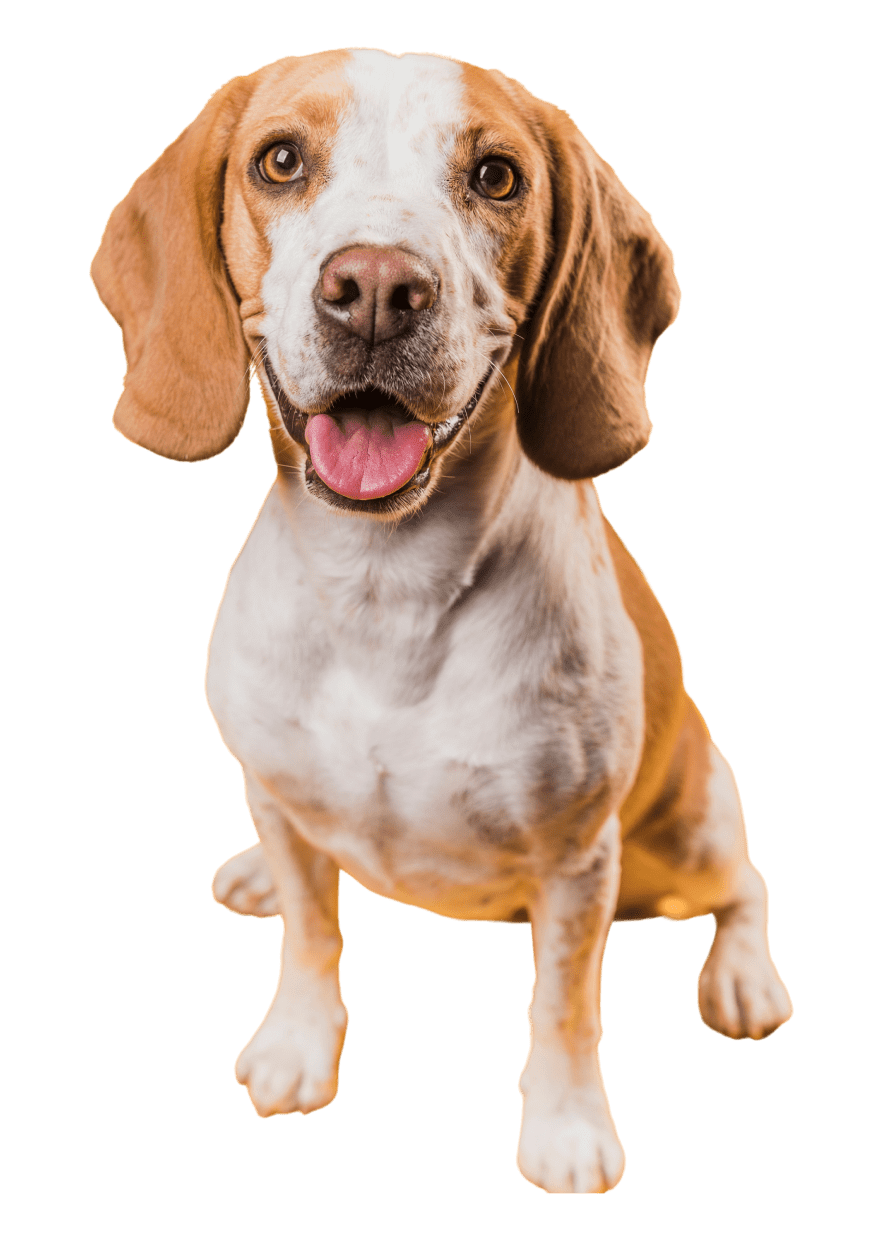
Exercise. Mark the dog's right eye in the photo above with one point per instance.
(495, 178)
(281, 163)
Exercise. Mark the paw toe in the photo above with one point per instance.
(244, 885)
(570, 1154)
(292, 1064)
(743, 997)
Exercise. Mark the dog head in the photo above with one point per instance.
(382, 235)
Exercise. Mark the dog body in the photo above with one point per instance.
(399, 711)
(438, 666)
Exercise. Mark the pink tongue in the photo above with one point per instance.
(366, 454)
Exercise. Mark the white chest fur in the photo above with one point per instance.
(431, 710)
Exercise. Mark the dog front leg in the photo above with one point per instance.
(568, 1142)
(291, 1064)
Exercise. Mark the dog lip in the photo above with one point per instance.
(442, 433)
(295, 421)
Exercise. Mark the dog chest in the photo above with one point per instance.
(418, 751)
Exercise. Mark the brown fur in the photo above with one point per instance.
(605, 284)
(585, 273)
(161, 274)
(609, 290)
(609, 294)
(589, 284)
(584, 269)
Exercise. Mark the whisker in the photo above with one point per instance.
(444, 390)
(507, 382)
(256, 356)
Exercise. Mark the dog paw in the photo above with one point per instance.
(740, 991)
(291, 1064)
(244, 884)
(571, 1147)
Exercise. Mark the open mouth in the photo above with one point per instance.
(368, 446)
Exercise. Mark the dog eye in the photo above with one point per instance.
(495, 178)
(281, 163)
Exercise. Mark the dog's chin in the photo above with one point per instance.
(402, 503)
(417, 488)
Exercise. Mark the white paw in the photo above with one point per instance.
(740, 991)
(572, 1147)
(244, 884)
(291, 1064)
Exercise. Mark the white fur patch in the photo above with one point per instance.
(389, 187)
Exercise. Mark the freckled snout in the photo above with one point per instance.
(377, 293)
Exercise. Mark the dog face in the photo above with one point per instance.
(383, 234)
(368, 222)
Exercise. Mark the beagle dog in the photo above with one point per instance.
(438, 665)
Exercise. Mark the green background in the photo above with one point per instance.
(746, 132)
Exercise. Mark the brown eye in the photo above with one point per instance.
(281, 163)
(495, 178)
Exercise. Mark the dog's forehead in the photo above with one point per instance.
(399, 104)
(381, 97)
(390, 110)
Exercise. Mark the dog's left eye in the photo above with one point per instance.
(281, 163)
(495, 178)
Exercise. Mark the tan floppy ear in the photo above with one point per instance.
(609, 293)
(161, 273)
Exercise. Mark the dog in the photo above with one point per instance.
(437, 664)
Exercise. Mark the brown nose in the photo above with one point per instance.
(376, 292)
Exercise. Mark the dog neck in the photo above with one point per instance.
(418, 567)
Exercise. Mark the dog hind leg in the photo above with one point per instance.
(740, 992)
(693, 861)
(244, 884)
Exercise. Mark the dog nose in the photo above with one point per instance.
(377, 292)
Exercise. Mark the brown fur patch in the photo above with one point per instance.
(498, 124)
(161, 270)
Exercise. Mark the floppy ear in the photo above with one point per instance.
(161, 273)
(609, 293)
